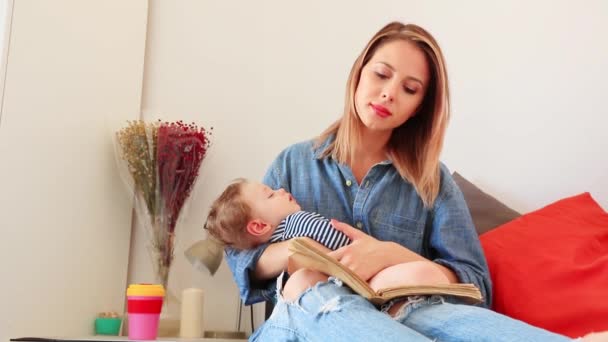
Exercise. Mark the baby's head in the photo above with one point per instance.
(247, 213)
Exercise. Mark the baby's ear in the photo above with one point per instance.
(257, 227)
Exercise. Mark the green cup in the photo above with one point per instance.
(107, 325)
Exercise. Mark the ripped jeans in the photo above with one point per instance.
(329, 311)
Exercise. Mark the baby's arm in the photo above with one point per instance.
(409, 273)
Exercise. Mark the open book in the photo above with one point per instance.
(303, 254)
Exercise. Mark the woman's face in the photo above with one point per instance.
(392, 86)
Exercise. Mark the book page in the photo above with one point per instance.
(306, 255)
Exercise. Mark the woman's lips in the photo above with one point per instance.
(381, 110)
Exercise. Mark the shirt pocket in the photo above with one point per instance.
(388, 226)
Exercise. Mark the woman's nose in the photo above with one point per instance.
(388, 92)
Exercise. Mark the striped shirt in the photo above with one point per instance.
(312, 225)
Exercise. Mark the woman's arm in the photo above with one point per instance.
(367, 256)
(275, 258)
(272, 262)
(453, 240)
(242, 264)
(253, 270)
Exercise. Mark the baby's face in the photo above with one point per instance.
(271, 206)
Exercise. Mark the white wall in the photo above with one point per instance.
(6, 15)
(527, 81)
(73, 68)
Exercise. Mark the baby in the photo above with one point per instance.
(248, 214)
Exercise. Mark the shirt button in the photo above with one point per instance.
(359, 225)
(349, 183)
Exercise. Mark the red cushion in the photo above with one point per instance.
(550, 267)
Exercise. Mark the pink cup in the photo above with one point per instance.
(144, 304)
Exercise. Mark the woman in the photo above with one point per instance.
(378, 169)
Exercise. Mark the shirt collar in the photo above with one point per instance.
(318, 150)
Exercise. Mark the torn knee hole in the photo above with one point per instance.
(332, 305)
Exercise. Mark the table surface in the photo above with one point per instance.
(125, 338)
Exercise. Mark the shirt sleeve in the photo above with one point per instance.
(316, 227)
(453, 239)
(242, 264)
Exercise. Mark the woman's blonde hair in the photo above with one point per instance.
(415, 146)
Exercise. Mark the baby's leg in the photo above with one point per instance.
(299, 281)
(596, 337)
(409, 273)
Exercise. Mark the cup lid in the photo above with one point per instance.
(151, 290)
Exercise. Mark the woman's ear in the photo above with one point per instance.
(257, 227)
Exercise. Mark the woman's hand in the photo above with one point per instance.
(365, 255)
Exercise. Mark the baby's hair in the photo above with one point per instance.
(228, 217)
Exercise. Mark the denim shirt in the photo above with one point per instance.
(384, 206)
